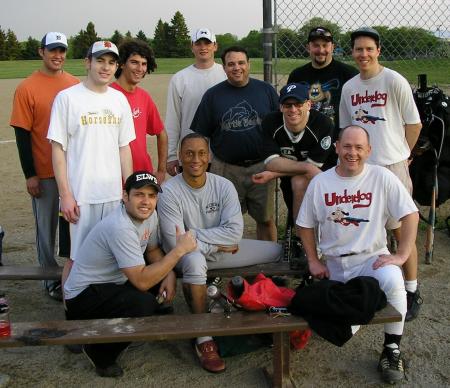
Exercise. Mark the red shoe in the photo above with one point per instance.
(209, 357)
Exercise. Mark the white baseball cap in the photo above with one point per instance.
(52, 40)
(203, 33)
(102, 47)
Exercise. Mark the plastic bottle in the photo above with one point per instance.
(5, 324)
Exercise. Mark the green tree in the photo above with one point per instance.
(160, 39)
(116, 37)
(179, 41)
(2, 45)
(289, 44)
(141, 36)
(128, 35)
(84, 40)
(253, 43)
(30, 49)
(12, 48)
(224, 41)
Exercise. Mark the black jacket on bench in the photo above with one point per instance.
(331, 307)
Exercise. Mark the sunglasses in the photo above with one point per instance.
(320, 33)
(289, 105)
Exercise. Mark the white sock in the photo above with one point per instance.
(391, 346)
(411, 285)
(200, 340)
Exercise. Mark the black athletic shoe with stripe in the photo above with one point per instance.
(391, 366)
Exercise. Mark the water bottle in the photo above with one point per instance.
(5, 324)
(2, 234)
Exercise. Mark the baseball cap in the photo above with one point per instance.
(140, 179)
(203, 33)
(102, 47)
(320, 33)
(365, 31)
(293, 90)
(52, 40)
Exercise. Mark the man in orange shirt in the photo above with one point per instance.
(30, 118)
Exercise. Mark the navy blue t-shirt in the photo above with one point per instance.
(231, 117)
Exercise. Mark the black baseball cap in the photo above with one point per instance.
(320, 33)
(365, 31)
(294, 90)
(140, 179)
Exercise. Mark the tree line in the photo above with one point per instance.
(172, 40)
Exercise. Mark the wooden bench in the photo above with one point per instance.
(20, 272)
(171, 327)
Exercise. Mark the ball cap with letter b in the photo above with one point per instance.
(102, 47)
(203, 33)
(140, 179)
(52, 40)
(296, 91)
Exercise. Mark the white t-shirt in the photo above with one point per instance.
(382, 105)
(186, 89)
(91, 127)
(352, 211)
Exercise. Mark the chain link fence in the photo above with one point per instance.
(415, 34)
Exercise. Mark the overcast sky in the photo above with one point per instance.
(36, 17)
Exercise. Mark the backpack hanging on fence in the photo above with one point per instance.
(432, 151)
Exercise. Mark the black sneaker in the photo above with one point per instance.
(113, 370)
(391, 366)
(297, 258)
(56, 292)
(414, 301)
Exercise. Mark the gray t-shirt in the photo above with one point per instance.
(212, 212)
(115, 242)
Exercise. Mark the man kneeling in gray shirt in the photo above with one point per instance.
(118, 262)
(208, 206)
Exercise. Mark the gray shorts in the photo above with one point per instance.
(401, 171)
(257, 199)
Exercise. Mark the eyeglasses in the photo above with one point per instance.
(289, 105)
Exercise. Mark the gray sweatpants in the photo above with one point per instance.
(194, 265)
(45, 210)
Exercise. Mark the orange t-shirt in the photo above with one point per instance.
(31, 111)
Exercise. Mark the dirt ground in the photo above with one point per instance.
(172, 364)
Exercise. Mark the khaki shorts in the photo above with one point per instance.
(255, 198)
(401, 171)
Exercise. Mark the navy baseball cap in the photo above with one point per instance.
(365, 31)
(140, 179)
(320, 33)
(297, 91)
(52, 40)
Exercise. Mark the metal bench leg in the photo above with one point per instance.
(281, 377)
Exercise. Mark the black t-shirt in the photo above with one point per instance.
(325, 86)
(315, 143)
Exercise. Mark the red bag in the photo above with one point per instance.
(263, 293)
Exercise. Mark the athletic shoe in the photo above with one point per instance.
(112, 370)
(56, 292)
(414, 301)
(391, 366)
(297, 258)
(209, 357)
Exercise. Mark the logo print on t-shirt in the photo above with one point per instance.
(363, 116)
(240, 117)
(136, 112)
(339, 216)
(325, 142)
(212, 207)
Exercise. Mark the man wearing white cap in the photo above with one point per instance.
(91, 126)
(186, 89)
(30, 118)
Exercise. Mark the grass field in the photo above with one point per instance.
(438, 71)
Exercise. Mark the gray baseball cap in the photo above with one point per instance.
(365, 31)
